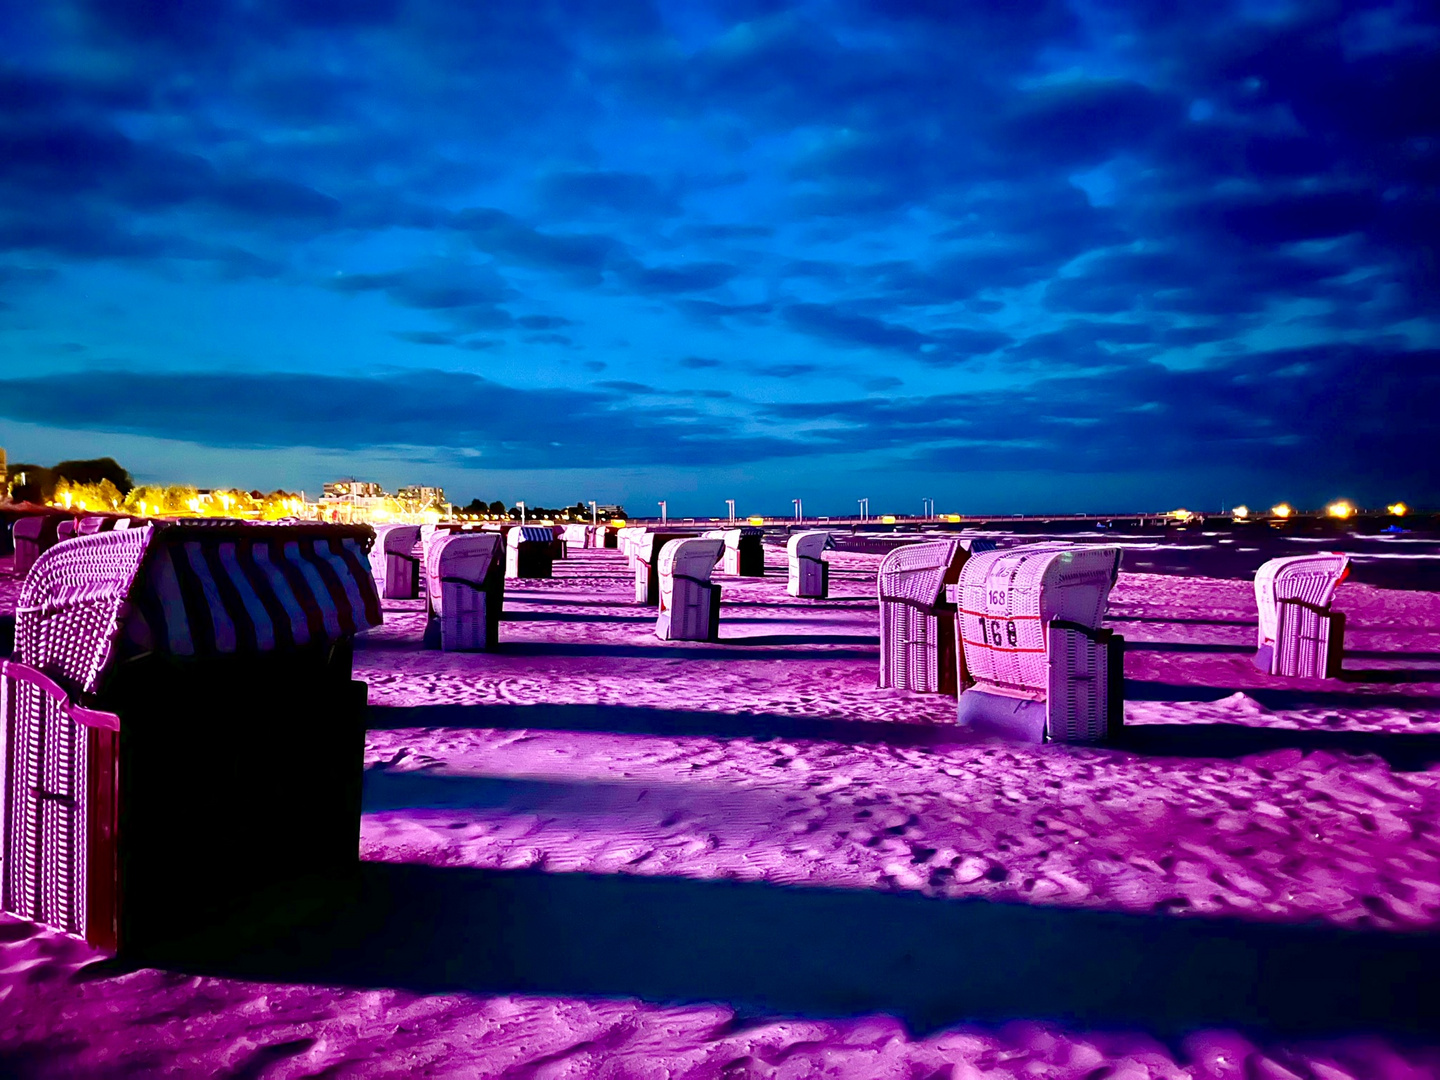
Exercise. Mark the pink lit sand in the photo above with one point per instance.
(505, 764)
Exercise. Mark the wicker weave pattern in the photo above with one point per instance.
(911, 586)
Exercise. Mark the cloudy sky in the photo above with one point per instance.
(1015, 255)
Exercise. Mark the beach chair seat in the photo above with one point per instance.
(530, 552)
(744, 551)
(395, 562)
(689, 601)
(917, 621)
(809, 574)
(1034, 662)
(1298, 635)
(178, 723)
(465, 590)
(645, 553)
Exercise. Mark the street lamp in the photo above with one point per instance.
(522, 512)
(594, 513)
(864, 510)
(799, 512)
(662, 511)
(731, 504)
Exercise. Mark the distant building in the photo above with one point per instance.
(352, 488)
(606, 510)
(420, 496)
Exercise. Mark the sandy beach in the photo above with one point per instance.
(594, 853)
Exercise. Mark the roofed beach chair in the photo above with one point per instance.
(809, 574)
(465, 590)
(627, 540)
(689, 601)
(647, 548)
(1298, 634)
(1039, 665)
(530, 552)
(34, 534)
(917, 622)
(178, 724)
(97, 523)
(577, 536)
(745, 551)
(396, 565)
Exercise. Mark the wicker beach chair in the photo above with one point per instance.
(465, 589)
(809, 574)
(1037, 662)
(577, 536)
(689, 601)
(1298, 634)
(646, 549)
(530, 552)
(744, 552)
(396, 565)
(34, 534)
(917, 622)
(178, 724)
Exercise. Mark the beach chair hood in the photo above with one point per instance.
(1310, 579)
(188, 590)
(808, 545)
(914, 574)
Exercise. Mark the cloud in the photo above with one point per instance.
(592, 193)
(697, 363)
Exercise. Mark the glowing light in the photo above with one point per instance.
(953, 518)
(1281, 510)
(619, 523)
(887, 519)
(756, 520)
(1180, 515)
(1340, 509)
(1240, 513)
(1398, 509)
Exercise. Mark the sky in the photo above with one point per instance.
(1019, 256)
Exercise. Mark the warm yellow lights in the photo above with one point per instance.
(1340, 509)
(888, 519)
(1240, 513)
(756, 520)
(619, 523)
(1398, 509)
(1281, 510)
(1180, 515)
(953, 518)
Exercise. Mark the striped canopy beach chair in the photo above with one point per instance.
(917, 622)
(530, 552)
(396, 565)
(745, 551)
(1299, 635)
(179, 722)
(465, 589)
(1038, 663)
(689, 601)
(645, 553)
(809, 574)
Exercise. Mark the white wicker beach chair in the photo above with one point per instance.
(530, 552)
(576, 536)
(744, 551)
(689, 601)
(396, 566)
(917, 635)
(465, 587)
(1039, 665)
(1298, 634)
(156, 671)
(646, 549)
(809, 574)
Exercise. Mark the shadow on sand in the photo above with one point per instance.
(1402, 751)
(769, 950)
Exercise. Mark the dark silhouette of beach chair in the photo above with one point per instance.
(180, 725)
(530, 551)
(34, 534)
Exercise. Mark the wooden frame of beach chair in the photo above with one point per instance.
(1298, 636)
(157, 671)
(645, 550)
(807, 573)
(465, 590)
(917, 621)
(395, 562)
(1033, 661)
(689, 600)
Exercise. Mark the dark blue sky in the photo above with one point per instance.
(1023, 255)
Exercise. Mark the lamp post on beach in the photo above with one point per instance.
(521, 505)
(864, 510)
(731, 504)
(662, 511)
(594, 513)
(799, 512)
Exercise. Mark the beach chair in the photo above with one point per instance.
(465, 590)
(744, 551)
(627, 540)
(917, 622)
(395, 562)
(577, 536)
(809, 574)
(1037, 663)
(1299, 635)
(646, 555)
(34, 534)
(530, 552)
(178, 724)
(98, 523)
(689, 601)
